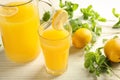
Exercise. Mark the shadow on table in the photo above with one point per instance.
(42, 75)
(76, 51)
(34, 70)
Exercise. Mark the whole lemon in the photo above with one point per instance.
(112, 50)
(81, 37)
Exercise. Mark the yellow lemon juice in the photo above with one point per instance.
(55, 45)
(19, 27)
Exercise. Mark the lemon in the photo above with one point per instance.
(112, 50)
(8, 11)
(18, 13)
(81, 37)
(59, 18)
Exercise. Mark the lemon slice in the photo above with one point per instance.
(8, 11)
(60, 17)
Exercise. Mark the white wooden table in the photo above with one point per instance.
(35, 70)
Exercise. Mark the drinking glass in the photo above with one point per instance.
(55, 45)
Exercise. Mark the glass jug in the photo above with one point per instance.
(19, 22)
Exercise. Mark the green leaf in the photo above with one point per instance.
(97, 72)
(61, 4)
(115, 37)
(104, 40)
(98, 50)
(89, 13)
(89, 7)
(70, 13)
(69, 7)
(89, 58)
(97, 15)
(98, 31)
(101, 60)
(85, 25)
(93, 27)
(87, 63)
(102, 19)
(117, 25)
(115, 14)
(46, 16)
(96, 62)
(88, 47)
(75, 7)
(75, 23)
(94, 38)
(92, 69)
(92, 17)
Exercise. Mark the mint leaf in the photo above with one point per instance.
(69, 7)
(46, 16)
(89, 13)
(98, 31)
(75, 7)
(115, 14)
(76, 24)
(61, 4)
(116, 25)
(104, 40)
(101, 19)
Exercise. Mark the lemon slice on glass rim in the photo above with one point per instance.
(8, 11)
(59, 18)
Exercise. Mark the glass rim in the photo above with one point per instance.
(24, 3)
(57, 39)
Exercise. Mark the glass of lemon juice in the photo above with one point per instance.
(19, 23)
(55, 43)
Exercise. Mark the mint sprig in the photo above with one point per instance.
(117, 15)
(69, 7)
(95, 62)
